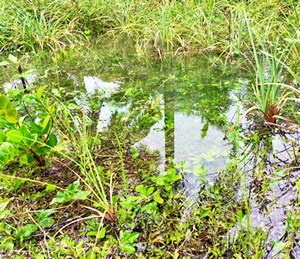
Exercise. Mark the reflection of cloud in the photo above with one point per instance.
(155, 140)
(93, 83)
(106, 113)
(18, 84)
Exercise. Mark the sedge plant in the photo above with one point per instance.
(270, 92)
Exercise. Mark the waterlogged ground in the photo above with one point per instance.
(192, 99)
(180, 110)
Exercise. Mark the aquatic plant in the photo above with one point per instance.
(270, 92)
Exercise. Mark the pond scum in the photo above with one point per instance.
(71, 187)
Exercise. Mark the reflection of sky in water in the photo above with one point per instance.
(18, 84)
(107, 110)
(94, 83)
(271, 219)
(190, 147)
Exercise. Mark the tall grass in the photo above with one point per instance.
(80, 139)
(165, 26)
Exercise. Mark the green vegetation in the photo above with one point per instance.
(163, 26)
(149, 129)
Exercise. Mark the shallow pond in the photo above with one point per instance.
(179, 108)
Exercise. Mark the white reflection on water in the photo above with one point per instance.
(93, 83)
(18, 83)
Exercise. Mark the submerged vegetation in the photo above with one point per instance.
(149, 129)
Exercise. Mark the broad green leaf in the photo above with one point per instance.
(150, 207)
(43, 218)
(23, 159)
(204, 212)
(132, 237)
(28, 139)
(26, 231)
(72, 106)
(59, 197)
(102, 233)
(12, 58)
(15, 136)
(158, 199)
(3, 204)
(72, 193)
(4, 63)
(7, 152)
(143, 190)
(94, 233)
(129, 249)
(8, 244)
(3, 101)
(40, 92)
(11, 115)
(52, 141)
(35, 128)
(2, 136)
(46, 124)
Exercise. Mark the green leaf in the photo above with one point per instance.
(23, 159)
(12, 58)
(15, 136)
(204, 212)
(3, 101)
(35, 128)
(7, 109)
(72, 193)
(49, 188)
(46, 124)
(40, 92)
(8, 244)
(26, 231)
(2, 136)
(4, 63)
(102, 233)
(28, 139)
(11, 114)
(143, 190)
(129, 249)
(52, 141)
(92, 233)
(72, 106)
(3, 204)
(133, 237)
(59, 197)
(158, 199)
(43, 218)
(7, 152)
